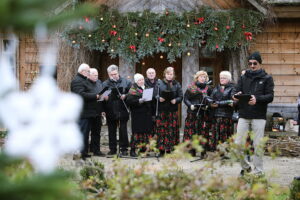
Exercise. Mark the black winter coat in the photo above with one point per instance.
(261, 85)
(194, 95)
(223, 99)
(175, 89)
(114, 107)
(153, 85)
(86, 89)
(141, 116)
(97, 88)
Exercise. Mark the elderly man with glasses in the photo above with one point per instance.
(254, 91)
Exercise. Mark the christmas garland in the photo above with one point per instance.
(135, 35)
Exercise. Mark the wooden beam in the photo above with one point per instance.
(258, 6)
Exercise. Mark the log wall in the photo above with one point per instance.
(280, 49)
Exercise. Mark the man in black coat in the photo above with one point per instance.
(116, 110)
(260, 85)
(96, 121)
(82, 86)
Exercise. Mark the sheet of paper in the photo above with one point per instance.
(148, 94)
(105, 94)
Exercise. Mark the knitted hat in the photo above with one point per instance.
(138, 77)
(255, 56)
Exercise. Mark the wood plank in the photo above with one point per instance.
(277, 48)
(283, 38)
(282, 69)
(285, 99)
(261, 38)
(286, 80)
(287, 90)
(280, 58)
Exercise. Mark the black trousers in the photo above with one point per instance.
(112, 134)
(95, 134)
(85, 127)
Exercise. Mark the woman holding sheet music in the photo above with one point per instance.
(141, 115)
(222, 125)
(197, 120)
(167, 125)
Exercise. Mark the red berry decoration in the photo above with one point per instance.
(114, 33)
(161, 40)
(133, 48)
(217, 46)
(119, 38)
(200, 20)
(248, 35)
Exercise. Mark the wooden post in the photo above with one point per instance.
(190, 65)
(237, 61)
(126, 69)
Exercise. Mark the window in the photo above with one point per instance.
(7, 50)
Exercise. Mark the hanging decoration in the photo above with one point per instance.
(135, 35)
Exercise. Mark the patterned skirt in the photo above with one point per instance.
(222, 129)
(167, 130)
(139, 140)
(197, 126)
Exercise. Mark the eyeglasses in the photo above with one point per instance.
(252, 63)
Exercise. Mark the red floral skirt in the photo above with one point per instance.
(139, 140)
(197, 126)
(167, 130)
(221, 129)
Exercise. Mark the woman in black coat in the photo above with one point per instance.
(167, 124)
(141, 116)
(197, 121)
(222, 126)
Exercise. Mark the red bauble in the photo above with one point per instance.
(248, 35)
(87, 19)
(227, 27)
(243, 26)
(200, 20)
(216, 29)
(217, 46)
(161, 39)
(119, 38)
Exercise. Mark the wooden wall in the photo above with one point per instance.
(280, 49)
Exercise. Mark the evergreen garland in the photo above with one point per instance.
(134, 35)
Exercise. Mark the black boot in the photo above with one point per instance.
(133, 153)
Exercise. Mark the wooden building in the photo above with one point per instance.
(279, 45)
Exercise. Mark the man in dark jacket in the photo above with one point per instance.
(96, 121)
(257, 83)
(116, 110)
(81, 86)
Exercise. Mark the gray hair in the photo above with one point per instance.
(226, 74)
(150, 69)
(83, 67)
(93, 70)
(112, 68)
(137, 77)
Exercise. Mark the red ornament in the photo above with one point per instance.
(203, 42)
(200, 20)
(119, 38)
(248, 35)
(243, 26)
(133, 48)
(87, 19)
(227, 27)
(161, 40)
(114, 33)
(216, 29)
(217, 46)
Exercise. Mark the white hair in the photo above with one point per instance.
(137, 77)
(112, 68)
(226, 74)
(150, 69)
(83, 67)
(93, 70)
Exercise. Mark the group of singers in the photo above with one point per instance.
(209, 110)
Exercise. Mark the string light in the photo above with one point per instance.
(161, 57)
(90, 35)
(179, 44)
(147, 35)
(103, 40)
(73, 41)
(188, 25)
(143, 63)
(136, 34)
(114, 26)
(101, 19)
(188, 54)
(170, 44)
(112, 50)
